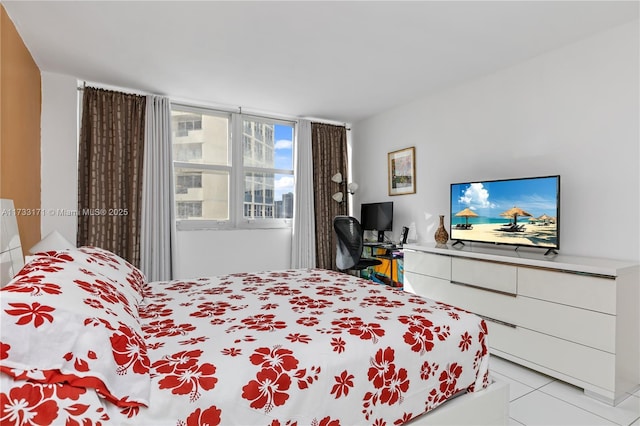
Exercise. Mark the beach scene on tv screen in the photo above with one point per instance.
(522, 212)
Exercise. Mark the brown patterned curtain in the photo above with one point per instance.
(329, 147)
(110, 172)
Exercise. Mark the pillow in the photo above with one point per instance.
(53, 241)
(64, 323)
(108, 264)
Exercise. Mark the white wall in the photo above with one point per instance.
(205, 253)
(573, 111)
(59, 150)
(198, 253)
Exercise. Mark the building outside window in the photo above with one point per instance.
(209, 158)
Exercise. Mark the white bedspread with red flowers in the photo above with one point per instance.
(298, 347)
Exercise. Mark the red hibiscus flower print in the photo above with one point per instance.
(395, 387)
(381, 301)
(179, 361)
(404, 419)
(209, 309)
(369, 331)
(269, 389)
(81, 364)
(189, 381)
(389, 381)
(448, 379)
(94, 303)
(420, 339)
(28, 405)
(231, 351)
(165, 328)
(208, 417)
(465, 341)
(181, 286)
(64, 391)
(428, 370)
(264, 322)
(382, 367)
(308, 321)
(304, 379)
(277, 358)
(326, 421)
(301, 303)
(194, 340)
(329, 291)
(154, 310)
(103, 290)
(417, 301)
(35, 312)
(283, 290)
(129, 351)
(32, 284)
(4, 350)
(343, 383)
(482, 336)
(347, 322)
(338, 344)
(297, 337)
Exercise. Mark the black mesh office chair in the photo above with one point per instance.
(350, 245)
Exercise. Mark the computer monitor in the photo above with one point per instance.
(377, 217)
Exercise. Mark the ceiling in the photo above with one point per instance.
(329, 60)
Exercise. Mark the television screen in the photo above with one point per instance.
(523, 212)
(377, 217)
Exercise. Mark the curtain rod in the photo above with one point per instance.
(115, 88)
(195, 104)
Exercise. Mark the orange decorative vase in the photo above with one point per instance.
(441, 236)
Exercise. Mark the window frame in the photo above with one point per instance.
(236, 169)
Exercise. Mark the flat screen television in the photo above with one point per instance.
(377, 217)
(521, 212)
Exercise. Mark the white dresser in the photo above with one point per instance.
(573, 318)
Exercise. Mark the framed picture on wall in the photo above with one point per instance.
(402, 171)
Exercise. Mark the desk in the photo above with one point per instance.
(391, 271)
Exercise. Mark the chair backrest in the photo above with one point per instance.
(349, 243)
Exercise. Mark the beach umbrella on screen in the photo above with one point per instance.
(544, 218)
(514, 213)
(466, 213)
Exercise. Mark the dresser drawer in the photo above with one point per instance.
(423, 285)
(492, 276)
(558, 355)
(577, 325)
(588, 292)
(428, 264)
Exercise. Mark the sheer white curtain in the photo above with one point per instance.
(157, 192)
(303, 244)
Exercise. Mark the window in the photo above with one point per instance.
(189, 209)
(187, 180)
(226, 178)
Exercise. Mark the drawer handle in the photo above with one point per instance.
(507, 324)
(506, 293)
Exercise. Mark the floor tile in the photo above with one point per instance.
(624, 413)
(516, 388)
(517, 372)
(537, 408)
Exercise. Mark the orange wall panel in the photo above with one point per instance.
(20, 107)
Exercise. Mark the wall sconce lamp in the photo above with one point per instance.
(351, 187)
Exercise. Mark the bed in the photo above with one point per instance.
(85, 340)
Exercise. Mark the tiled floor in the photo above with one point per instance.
(536, 399)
